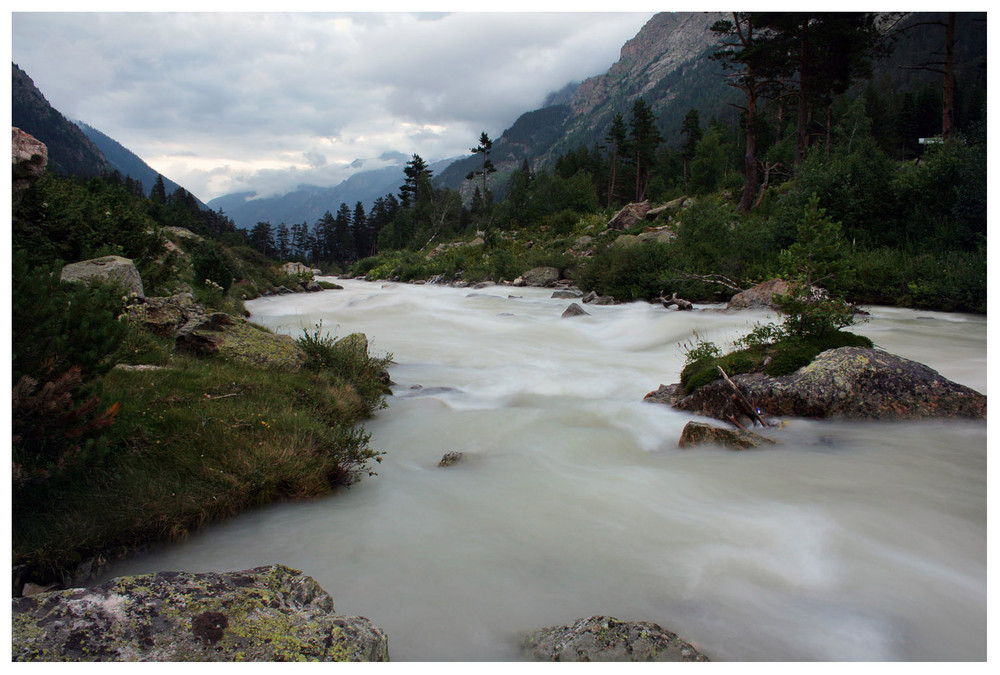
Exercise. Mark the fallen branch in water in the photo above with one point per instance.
(743, 404)
(681, 303)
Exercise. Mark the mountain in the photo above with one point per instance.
(309, 202)
(127, 162)
(70, 151)
(666, 63)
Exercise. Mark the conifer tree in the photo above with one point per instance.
(617, 137)
(484, 148)
(417, 182)
(644, 139)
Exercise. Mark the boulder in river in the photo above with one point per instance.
(760, 296)
(849, 382)
(699, 433)
(450, 458)
(575, 310)
(603, 638)
(271, 613)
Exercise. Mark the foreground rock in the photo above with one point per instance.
(110, 268)
(235, 338)
(271, 613)
(699, 433)
(850, 382)
(601, 638)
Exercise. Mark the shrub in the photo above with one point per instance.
(58, 325)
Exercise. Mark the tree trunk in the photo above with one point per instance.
(801, 130)
(752, 180)
(948, 98)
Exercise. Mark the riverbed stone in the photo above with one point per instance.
(848, 382)
(574, 310)
(270, 613)
(451, 458)
(603, 638)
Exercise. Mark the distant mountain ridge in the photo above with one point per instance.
(127, 162)
(309, 203)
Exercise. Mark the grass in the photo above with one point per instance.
(201, 440)
(782, 357)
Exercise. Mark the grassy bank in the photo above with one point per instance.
(199, 440)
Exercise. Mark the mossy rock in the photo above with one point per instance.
(271, 613)
(235, 338)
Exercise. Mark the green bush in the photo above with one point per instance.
(58, 325)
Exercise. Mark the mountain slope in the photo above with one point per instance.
(127, 162)
(666, 63)
(70, 151)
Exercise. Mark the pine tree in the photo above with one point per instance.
(159, 193)
(691, 129)
(484, 148)
(617, 137)
(644, 138)
(363, 239)
(282, 240)
(417, 183)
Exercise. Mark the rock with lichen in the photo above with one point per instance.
(235, 338)
(602, 638)
(107, 269)
(699, 433)
(845, 383)
(271, 613)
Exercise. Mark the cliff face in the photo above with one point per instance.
(666, 63)
(70, 151)
(669, 42)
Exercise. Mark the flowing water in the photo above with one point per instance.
(848, 541)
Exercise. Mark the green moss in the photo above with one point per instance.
(781, 358)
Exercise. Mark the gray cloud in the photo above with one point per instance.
(232, 102)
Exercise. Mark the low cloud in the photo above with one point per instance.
(233, 102)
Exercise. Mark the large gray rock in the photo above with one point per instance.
(271, 613)
(541, 276)
(602, 638)
(28, 157)
(110, 268)
(849, 382)
(760, 296)
(629, 216)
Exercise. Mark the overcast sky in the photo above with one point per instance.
(228, 102)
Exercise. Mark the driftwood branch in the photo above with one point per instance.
(717, 279)
(681, 303)
(743, 404)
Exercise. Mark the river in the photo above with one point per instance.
(849, 541)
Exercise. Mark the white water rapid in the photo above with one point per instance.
(848, 541)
